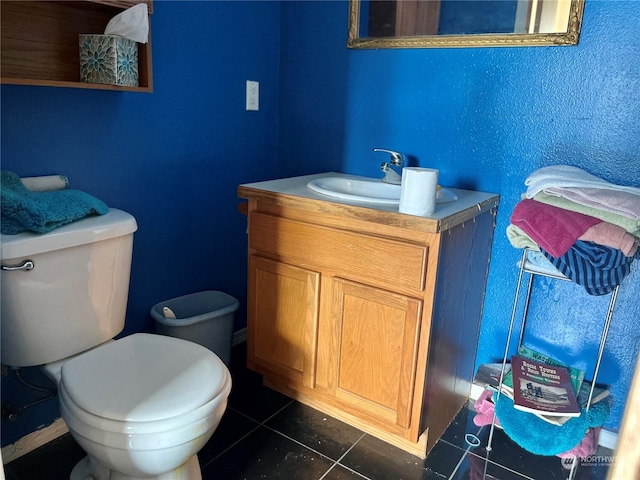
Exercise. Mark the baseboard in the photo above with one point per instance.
(606, 439)
(36, 439)
(476, 391)
(239, 336)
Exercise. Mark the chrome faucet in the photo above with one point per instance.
(398, 161)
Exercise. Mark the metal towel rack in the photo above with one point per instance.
(603, 337)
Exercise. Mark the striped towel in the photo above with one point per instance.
(599, 269)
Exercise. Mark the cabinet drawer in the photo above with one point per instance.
(359, 257)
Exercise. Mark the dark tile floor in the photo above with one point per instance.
(265, 435)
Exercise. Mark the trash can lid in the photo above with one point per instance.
(144, 377)
(195, 308)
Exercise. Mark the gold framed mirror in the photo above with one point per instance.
(463, 23)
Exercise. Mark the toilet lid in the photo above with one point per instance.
(144, 377)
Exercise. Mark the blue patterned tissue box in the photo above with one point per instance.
(108, 59)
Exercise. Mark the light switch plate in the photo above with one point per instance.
(253, 95)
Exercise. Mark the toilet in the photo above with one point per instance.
(141, 406)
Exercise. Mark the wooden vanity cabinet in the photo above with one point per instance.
(39, 41)
(367, 316)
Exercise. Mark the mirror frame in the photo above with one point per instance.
(570, 37)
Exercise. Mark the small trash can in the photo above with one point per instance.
(205, 318)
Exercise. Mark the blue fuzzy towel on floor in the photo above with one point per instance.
(41, 212)
(543, 438)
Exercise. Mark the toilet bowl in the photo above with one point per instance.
(140, 422)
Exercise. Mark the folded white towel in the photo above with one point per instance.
(571, 177)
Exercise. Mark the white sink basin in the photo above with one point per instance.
(367, 190)
(363, 190)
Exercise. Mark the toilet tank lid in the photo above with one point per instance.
(114, 223)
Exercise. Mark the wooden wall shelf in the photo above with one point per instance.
(39, 42)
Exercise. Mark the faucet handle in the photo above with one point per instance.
(398, 159)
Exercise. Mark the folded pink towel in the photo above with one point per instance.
(610, 235)
(588, 445)
(554, 229)
(484, 408)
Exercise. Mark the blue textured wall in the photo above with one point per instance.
(486, 118)
(173, 158)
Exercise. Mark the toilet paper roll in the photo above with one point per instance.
(45, 183)
(418, 191)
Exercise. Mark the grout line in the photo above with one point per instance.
(258, 425)
(346, 468)
(520, 475)
(299, 443)
(455, 470)
(276, 413)
(327, 472)
(350, 448)
(311, 448)
(337, 462)
(468, 451)
(230, 446)
(465, 453)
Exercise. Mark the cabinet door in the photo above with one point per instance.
(283, 319)
(377, 346)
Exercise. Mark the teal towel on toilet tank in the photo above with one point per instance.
(41, 212)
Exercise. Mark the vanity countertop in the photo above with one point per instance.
(293, 192)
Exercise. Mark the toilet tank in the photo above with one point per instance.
(74, 297)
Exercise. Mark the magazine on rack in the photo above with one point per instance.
(575, 374)
(599, 393)
(542, 389)
(488, 375)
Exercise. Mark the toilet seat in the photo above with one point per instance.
(144, 378)
(154, 435)
(95, 377)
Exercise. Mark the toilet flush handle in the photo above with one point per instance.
(26, 265)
